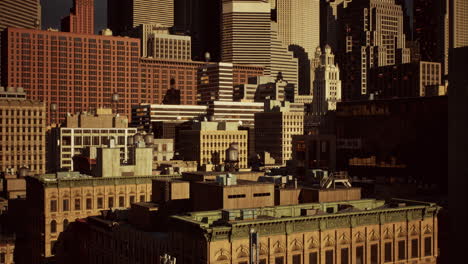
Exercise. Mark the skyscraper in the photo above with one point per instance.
(459, 21)
(124, 15)
(248, 36)
(298, 23)
(81, 18)
(370, 35)
(21, 14)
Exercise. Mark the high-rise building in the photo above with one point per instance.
(274, 129)
(459, 23)
(21, 14)
(327, 83)
(329, 25)
(215, 82)
(80, 79)
(248, 36)
(208, 142)
(81, 18)
(371, 35)
(158, 43)
(124, 15)
(86, 130)
(22, 132)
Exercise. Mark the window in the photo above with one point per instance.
(142, 198)
(360, 255)
(121, 201)
(279, 260)
(261, 194)
(53, 226)
(414, 248)
(77, 204)
(374, 251)
(235, 196)
(65, 224)
(329, 257)
(388, 252)
(132, 199)
(66, 205)
(110, 202)
(344, 256)
(313, 258)
(52, 247)
(296, 259)
(2, 258)
(401, 250)
(99, 203)
(262, 261)
(89, 203)
(53, 205)
(330, 210)
(427, 246)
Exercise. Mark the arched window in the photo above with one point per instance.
(53, 226)
(65, 224)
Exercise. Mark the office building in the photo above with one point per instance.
(274, 129)
(81, 18)
(327, 232)
(83, 131)
(260, 89)
(157, 42)
(329, 24)
(117, 79)
(207, 143)
(201, 20)
(407, 80)
(55, 200)
(215, 82)
(327, 83)
(22, 132)
(259, 44)
(414, 132)
(20, 14)
(240, 112)
(458, 23)
(377, 41)
(163, 149)
(125, 15)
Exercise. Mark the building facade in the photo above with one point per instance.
(81, 18)
(22, 132)
(377, 41)
(327, 83)
(124, 15)
(259, 44)
(215, 82)
(459, 23)
(274, 129)
(407, 80)
(207, 142)
(85, 131)
(78, 72)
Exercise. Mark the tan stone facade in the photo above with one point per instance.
(22, 135)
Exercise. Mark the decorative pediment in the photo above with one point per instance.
(296, 245)
(401, 231)
(414, 230)
(263, 250)
(387, 233)
(427, 229)
(329, 241)
(344, 240)
(222, 255)
(313, 243)
(242, 252)
(358, 237)
(373, 236)
(278, 247)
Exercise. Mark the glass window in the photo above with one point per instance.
(132, 199)
(296, 259)
(110, 202)
(99, 203)
(142, 198)
(279, 260)
(65, 224)
(360, 255)
(401, 250)
(427, 246)
(344, 256)
(414, 248)
(53, 226)
(66, 205)
(89, 203)
(388, 252)
(53, 205)
(374, 251)
(313, 258)
(121, 201)
(77, 204)
(329, 257)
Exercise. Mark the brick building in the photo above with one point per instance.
(80, 72)
(81, 18)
